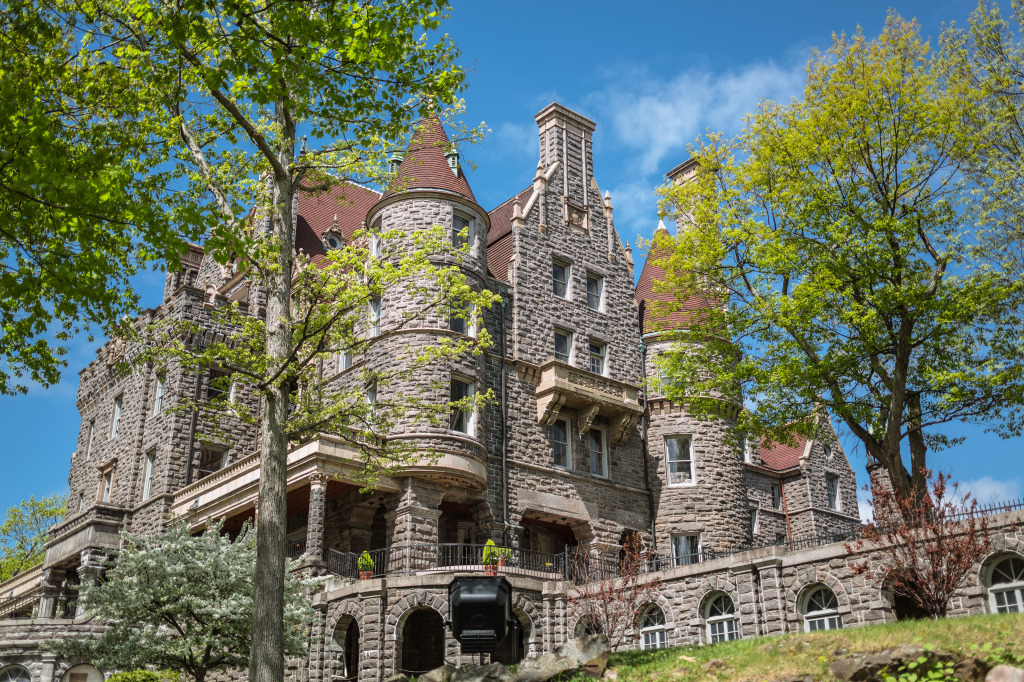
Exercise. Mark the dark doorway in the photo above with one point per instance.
(344, 651)
(905, 608)
(422, 642)
(512, 649)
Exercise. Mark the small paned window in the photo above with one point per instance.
(598, 453)
(721, 620)
(561, 445)
(560, 278)
(686, 549)
(776, 496)
(211, 460)
(595, 292)
(822, 611)
(597, 356)
(653, 633)
(832, 489)
(563, 345)
(116, 421)
(1006, 594)
(344, 360)
(375, 316)
(158, 396)
(679, 460)
(462, 415)
(147, 476)
(462, 232)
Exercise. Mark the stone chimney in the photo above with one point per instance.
(566, 139)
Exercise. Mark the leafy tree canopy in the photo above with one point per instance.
(181, 602)
(24, 533)
(839, 230)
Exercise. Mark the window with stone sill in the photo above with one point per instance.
(461, 319)
(375, 309)
(597, 351)
(344, 360)
(116, 421)
(560, 278)
(462, 413)
(1006, 591)
(597, 439)
(106, 486)
(753, 522)
(563, 345)
(371, 397)
(776, 490)
(158, 395)
(821, 610)
(462, 232)
(375, 243)
(561, 444)
(832, 490)
(595, 292)
(679, 460)
(147, 476)
(653, 633)
(88, 440)
(720, 616)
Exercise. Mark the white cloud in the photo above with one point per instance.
(987, 490)
(867, 514)
(636, 209)
(656, 117)
(517, 140)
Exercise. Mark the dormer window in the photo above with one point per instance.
(332, 241)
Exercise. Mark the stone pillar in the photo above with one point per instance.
(93, 564)
(51, 583)
(315, 524)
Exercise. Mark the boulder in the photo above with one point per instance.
(400, 677)
(867, 666)
(1005, 673)
(971, 669)
(495, 672)
(442, 674)
(589, 653)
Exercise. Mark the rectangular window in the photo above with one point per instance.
(375, 316)
(220, 383)
(88, 440)
(81, 501)
(598, 453)
(462, 415)
(563, 345)
(723, 630)
(344, 360)
(560, 278)
(561, 444)
(376, 243)
(371, 396)
(460, 319)
(744, 448)
(832, 488)
(595, 291)
(597, 354)
(776, 489)
(211, 460)
(108, 478)
(158, 398)
(233, 392)
(147, 480)
(679, 460)
(686, 549)
(462, 232)
(753, 522)
(116, 421)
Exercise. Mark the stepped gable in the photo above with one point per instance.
(316, 214)
(780, 457)
(499, 238)
(682, 312)
(424, 165)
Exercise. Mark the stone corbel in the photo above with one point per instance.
(623, 424)
(586, 417)
(549, 411)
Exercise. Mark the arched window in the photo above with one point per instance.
(586, 626)
(653, 634)
(1006, 591)
(821, 610)
(723, 625)
(15, 673)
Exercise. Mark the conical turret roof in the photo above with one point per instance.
(425, 166)
(662, 311)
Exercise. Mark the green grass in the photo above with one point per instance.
(773, 658)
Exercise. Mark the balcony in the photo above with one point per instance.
(562, 385)
(96, 527)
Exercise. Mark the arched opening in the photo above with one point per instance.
(422, 642)
(512, 649)
(653, 633)
(83, 672)
(821, 610)
(15, 673)
(1006, 585)
(720, 616)
(905, 608)
(343, 653)
(586, 626)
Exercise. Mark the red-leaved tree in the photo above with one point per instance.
(609, 604)
(923, 552)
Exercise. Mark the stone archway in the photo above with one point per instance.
(512, 649)
(422, 641)
(343, 651)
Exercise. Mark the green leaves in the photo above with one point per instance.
(24, 533)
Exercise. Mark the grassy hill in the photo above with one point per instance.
(999, 638)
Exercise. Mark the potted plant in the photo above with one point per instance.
(365, 562)
(504, 554)
(490, 558)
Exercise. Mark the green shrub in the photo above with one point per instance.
(365, 561)
(144, 676)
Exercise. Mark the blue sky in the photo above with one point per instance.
(653, 76)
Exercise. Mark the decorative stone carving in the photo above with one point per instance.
(586, 417)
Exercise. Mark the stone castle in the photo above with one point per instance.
(574, 458)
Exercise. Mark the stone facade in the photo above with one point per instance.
(573, 458)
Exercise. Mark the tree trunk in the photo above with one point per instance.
(266, 659)
(918, 451)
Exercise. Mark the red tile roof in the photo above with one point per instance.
(662, 311)
(424, 165)
(350, 203)
(780, 457)
(499, 237)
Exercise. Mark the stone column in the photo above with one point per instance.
(51, 582)
(90, 570)
(315, 524)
